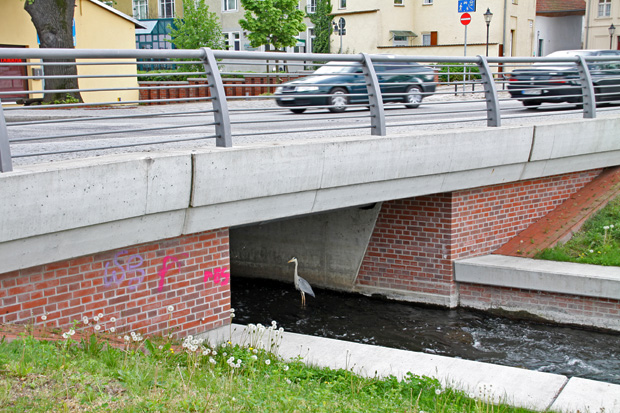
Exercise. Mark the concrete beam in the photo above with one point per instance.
(45, 199)
(525, 273)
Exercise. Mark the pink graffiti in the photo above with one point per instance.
(164, 269)
(220, 276)
(133, 263)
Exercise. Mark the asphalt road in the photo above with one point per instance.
(182, 126)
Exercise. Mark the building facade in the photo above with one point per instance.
(92, 18)
(601, 16)
(433, 27)
(559, 25)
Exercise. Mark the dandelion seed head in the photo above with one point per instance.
(288, 381)
(126, 338)
(96, 318)
(44, 317)
(267, 362)
(85, 320)
(113, 319)
(254, 357)
(285, 368)
(71, 332)
(170, 308)
(65, 335)
(112, 329)
(100, 315)
(97, 327)
(212, 360)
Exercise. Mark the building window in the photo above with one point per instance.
(399, 2)
(311, 6)
(166, 9)
(342, 4)
(310, 42)
(427, 2)
(429, 39)
(140, 9)
(604, 8)
(229, 5)
(400, 41)
(232, 41)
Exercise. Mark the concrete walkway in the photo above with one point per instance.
(490, 382)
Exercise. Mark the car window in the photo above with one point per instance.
(334, 69)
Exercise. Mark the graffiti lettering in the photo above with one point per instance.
(134, 262)
(164, 269)
(220, 276)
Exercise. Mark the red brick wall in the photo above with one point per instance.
(135, 285)
(408, 249)
(415, 240)
(599, 312)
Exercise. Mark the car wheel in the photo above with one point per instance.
(298, 110)
(338, 100)
(531, 103)
(413, 98)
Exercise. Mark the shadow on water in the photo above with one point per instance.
(458, 333)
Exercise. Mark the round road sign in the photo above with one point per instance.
(465, 19)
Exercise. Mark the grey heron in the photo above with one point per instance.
(300, 284)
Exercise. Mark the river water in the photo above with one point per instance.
(466, 334)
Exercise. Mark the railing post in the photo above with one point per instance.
(494, 117)
(220, 105)
(6, 164)
(375, 99)
(587, 89)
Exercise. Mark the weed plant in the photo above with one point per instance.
(598, 241)
(156, 374)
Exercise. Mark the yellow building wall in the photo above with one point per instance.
(369, 22)
(126, 6)
(96, 28)
(597, 28)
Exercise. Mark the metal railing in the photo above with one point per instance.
(104, 103)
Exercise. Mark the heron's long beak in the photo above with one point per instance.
(291, 260)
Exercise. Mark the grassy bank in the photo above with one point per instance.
(598, 241)
(155, 375)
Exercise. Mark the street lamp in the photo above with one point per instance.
(612, 30)
(487, 18)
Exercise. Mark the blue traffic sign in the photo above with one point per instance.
(467, 6)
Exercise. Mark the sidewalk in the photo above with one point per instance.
(510, 385)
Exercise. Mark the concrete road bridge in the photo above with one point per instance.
(132, 234)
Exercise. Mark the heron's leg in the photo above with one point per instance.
(303, 299)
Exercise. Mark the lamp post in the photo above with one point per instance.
(612, 30)
(487, 18)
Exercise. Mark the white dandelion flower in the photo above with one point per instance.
(437, 392)
(267, 362)
(170, 308)
(112, 329)
(97, 327)
(214, 353)
(71, 332)
(254, 357)
(44, 317)
(285, 368)
(85, 320)
(113, 319)
(100, 315)
(126, 338)
(65, 335)
(212, 360)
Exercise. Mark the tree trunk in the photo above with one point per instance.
(53, 20)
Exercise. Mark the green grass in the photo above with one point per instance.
(150, 376)
(598, 241)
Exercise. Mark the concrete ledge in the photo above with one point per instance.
(551, 276)
(511, 385)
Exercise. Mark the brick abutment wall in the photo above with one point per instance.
(416, 240)
(179, 286)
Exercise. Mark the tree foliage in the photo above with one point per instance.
(198, 28)
(53, 20)
(322, 21)
(274, 22)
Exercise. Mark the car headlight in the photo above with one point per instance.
(306, 89)
(279, 89)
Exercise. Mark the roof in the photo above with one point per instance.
(118, 13)
(560, 6)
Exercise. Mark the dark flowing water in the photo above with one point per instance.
(459, 333)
